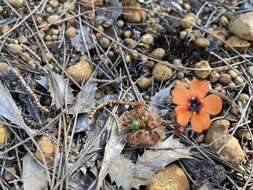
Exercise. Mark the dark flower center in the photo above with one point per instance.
(195, 105)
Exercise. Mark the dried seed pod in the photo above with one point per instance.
(47, 148)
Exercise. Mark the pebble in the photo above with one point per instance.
(203, 74)
(162, 72)
(158, 53)
(202, 42)
(238, 43)
(144, 83)
(91, 2)
(217, 136)
(53, 19)
(81, 71)
(134, 13)
(16, 3)
(233, 73)
(238, 80)
(214, 77)
(104, 42)
(120, 23)
(5, 29)
(243, 26)
(1, 9)
(4, 134)
(47, 148)
(250, 69)
(147, 39)
(71, 32)
(170, 178)
(243, 97)
(188, 20)
(15, 48)
(225, 79)
(9, 173)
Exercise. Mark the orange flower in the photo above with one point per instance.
(193, 104)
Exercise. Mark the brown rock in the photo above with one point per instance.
(170, 178)
(53, 19)
(81, 71)
(162, 72)
(71, 32)
(227, 145)
(205, 69)
(238, 43)
(4, 134)
(158, 53)
(134, 12)
(9, 173)
(91, 2)
(147, 39)
(225, 79)
(188, 20)
(144, 83)
(202, 42)
(16, 3)
(214, 76)
(47, 148)
(243, 26)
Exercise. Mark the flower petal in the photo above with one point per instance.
(183, 115)
(200, 121)
(212, 104)
(180, 95)
(198, 88)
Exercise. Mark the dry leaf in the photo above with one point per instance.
(113, 148)
(34, 175)
(161, 97)
(85, 100)
(9, 109)
(150, 162)
(59, 90)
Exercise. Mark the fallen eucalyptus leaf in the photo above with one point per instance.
(161, 97)
(113, 148)
(9, 109)
(59, 90)
(85, 100)
(34, 175)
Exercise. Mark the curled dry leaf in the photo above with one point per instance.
(34, 175)
(59, 89)
(150, 162)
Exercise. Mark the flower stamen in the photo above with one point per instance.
(195, 105)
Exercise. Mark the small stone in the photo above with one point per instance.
(218, 137)
(4, 134)
(219, 36)
(134, 54)
(5, 29)
(170, 178)
(222, 122)
(47, 148)
(1, 9)
(183, 34)
(16, 3)
(53, 19)
(244, 134)
(71, 32)
(134, 13)
(144, 83)
(250, 69)
(104, 42)
(120, 23)
(3, 66)
(238, 80)
(81, 71)
(202, 42)
(214, 77)
(206, 69)
(238, 43)
(243, 97)
(162, 72)
(235, 111)
(188, 20)
(233, 73)
(147, 39)
(127, 34)
(54, 3)
(69, 6)
(91, 2)
(15, 48)
(243, 26)
(158, 53)
(225, 79)
(9, 173)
